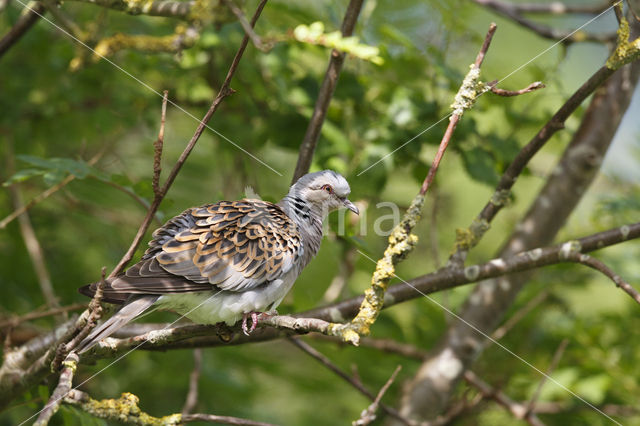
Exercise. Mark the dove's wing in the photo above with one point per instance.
(232, 246)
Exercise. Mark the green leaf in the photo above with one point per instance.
(480, 165)
(23, 175)
(594, 388)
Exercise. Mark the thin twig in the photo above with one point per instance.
(45, 194)
(227, 420)
(598, 265)
(225, 91)
(554, 363)
(12, 322)
(544, 31)
(36, 254)
(192, 396)
(453, 120)
(503, 92)
(30, 16)
(555, 7)
(95, 313)
(355, 383)
(157, 148)
(65, 383)
(518, 409)
(310, 140)
(248, 29)
(345, 271)
(63, 20)
(369, 414)
(501, 331)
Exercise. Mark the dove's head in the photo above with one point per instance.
(323, 191)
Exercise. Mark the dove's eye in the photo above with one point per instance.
(327, 188)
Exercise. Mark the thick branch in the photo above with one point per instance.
(191, 336)
(430, 391)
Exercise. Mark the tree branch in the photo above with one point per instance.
(305, 347)
(511, 12)
(599, 266)
(125, 409)
(168, 8)
(310, 140)
(156, 337)
(29, 17)
(518, 410)
(224, 91)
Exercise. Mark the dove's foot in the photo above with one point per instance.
(255, 317)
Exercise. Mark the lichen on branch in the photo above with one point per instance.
(626, 51)
(401, 242)
(124, 409)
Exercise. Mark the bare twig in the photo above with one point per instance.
(598, 265)
(310, 140)
(227, 420)
(95, 313)
(45, 194)
(554, 8)
(502, 92)
(518, 409)
(248, 29)
(355, 383)
(36, 254)
(345, 271)
(554, 363)
(65, 384)
(511, 12)
(157, 148)
(12, 322)
(464, 100)
(64, 20)
(501, 331)
(369, 414)
(225, 91)
(30, 16)
(192, 396)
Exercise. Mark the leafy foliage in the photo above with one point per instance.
(55, 120)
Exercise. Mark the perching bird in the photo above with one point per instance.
(223, 261)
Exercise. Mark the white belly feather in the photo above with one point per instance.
(211, 307)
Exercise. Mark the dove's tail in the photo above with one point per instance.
(134, 307)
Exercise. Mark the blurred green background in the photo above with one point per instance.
(49, 112)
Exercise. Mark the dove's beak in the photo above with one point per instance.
(348, 204)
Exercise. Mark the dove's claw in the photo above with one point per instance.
(255, 318)
(254, 322)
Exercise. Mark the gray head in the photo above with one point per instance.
(323, 191)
